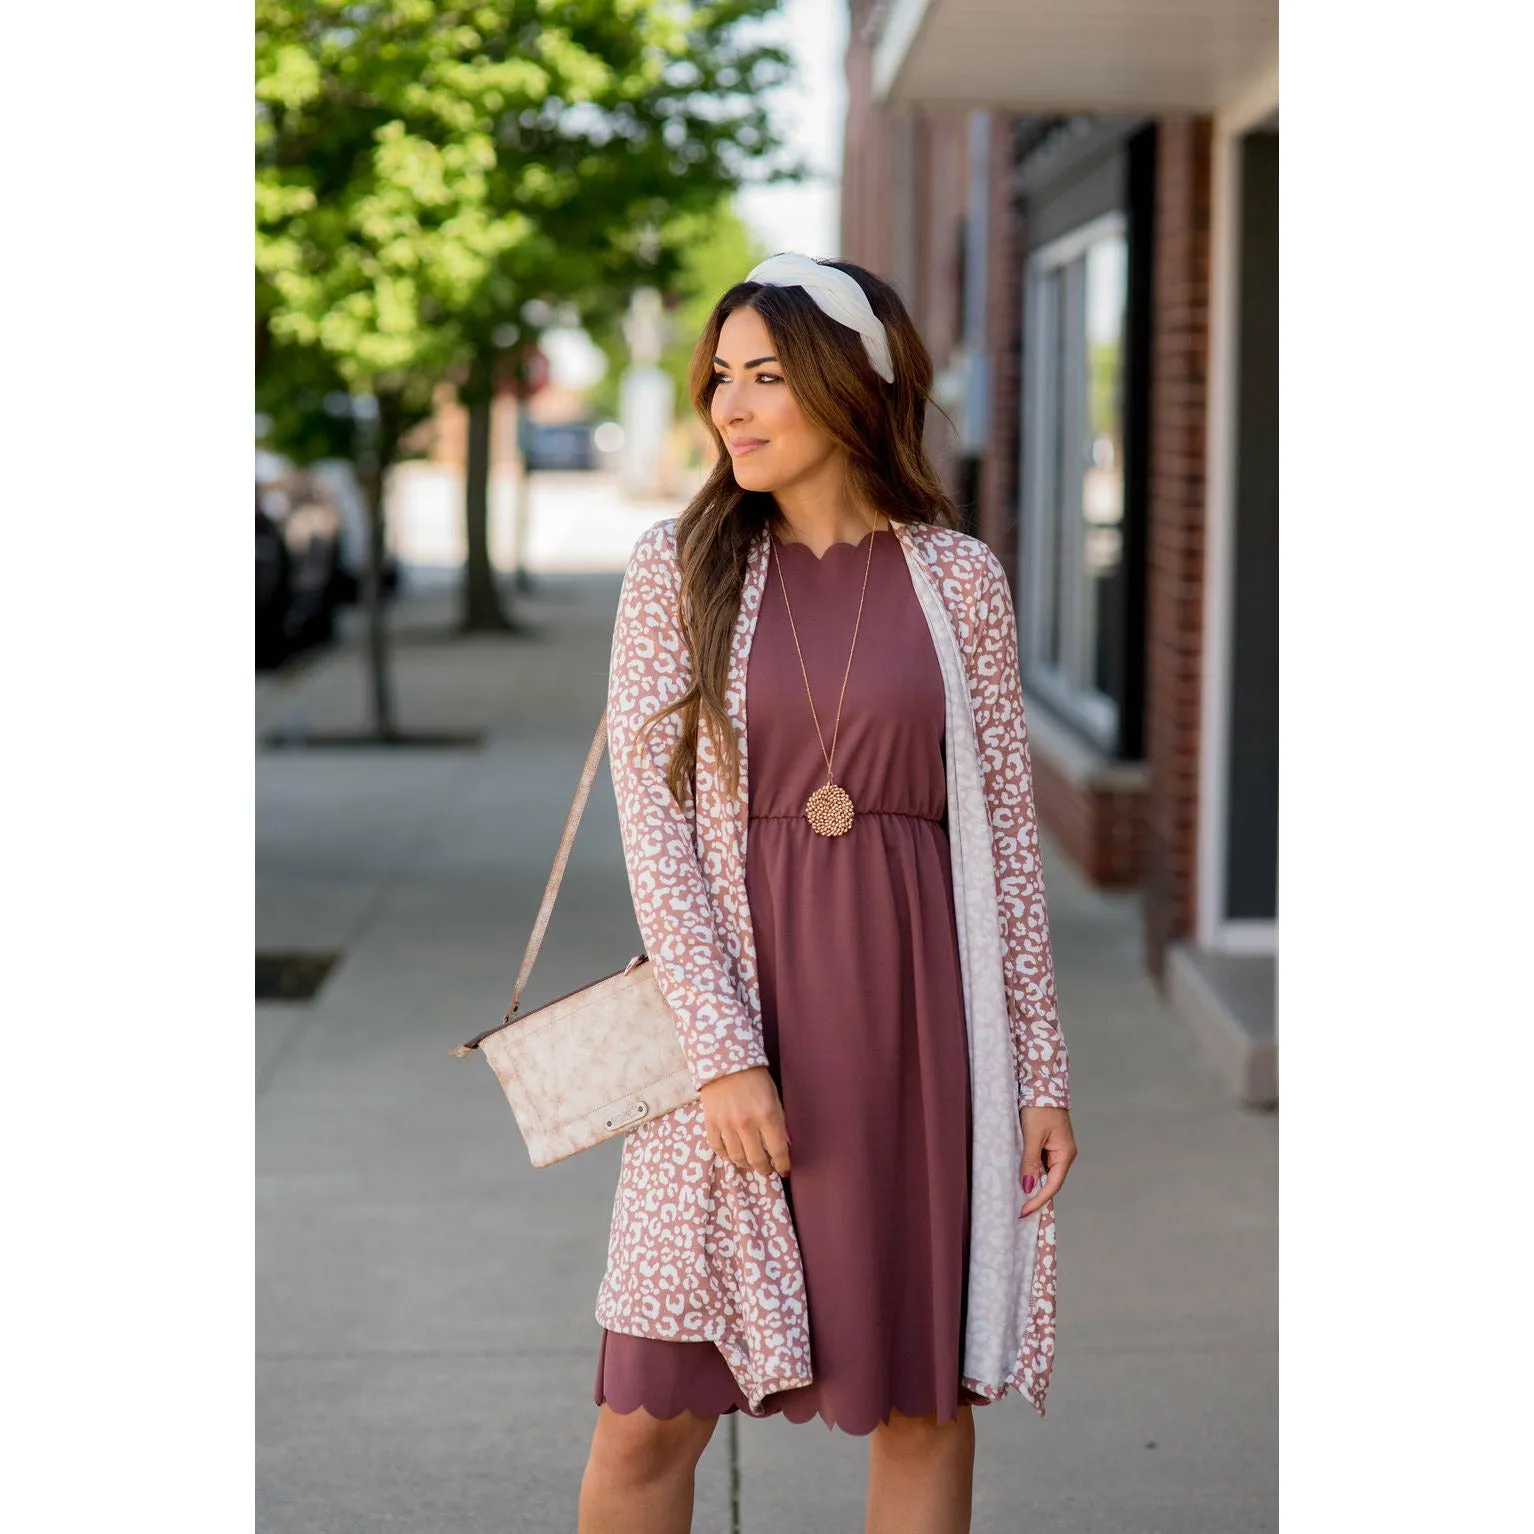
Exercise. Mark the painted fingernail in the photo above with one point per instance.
(1028, 1183)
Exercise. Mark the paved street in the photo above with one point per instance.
(425, 1332)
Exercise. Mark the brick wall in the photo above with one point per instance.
(942, 196)
(1100, 828)
(1004, 279)
(866, 236)
(1175, 544)
(926, 258)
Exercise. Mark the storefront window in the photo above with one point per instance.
(1073, 477)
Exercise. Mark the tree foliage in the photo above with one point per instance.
(424, 169)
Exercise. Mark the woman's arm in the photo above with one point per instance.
(650, 669)
(1043, 1062)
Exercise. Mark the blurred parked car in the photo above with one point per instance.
(271, 591)
(560, 445)
(301, 578)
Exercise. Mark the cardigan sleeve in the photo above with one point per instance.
(1038, 1046)
(672, 906)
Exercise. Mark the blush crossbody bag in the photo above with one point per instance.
(598, 1062)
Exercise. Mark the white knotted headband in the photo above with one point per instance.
(836, 294)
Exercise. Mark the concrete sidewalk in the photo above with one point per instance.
(424, 1298)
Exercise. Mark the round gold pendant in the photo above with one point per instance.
(829, 810)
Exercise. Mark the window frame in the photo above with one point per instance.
(1096, 714)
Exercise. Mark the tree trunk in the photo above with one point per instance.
(373, 599)
(522, 483)
(480, 609)
(370, 469)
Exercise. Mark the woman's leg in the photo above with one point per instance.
(639, 1476)
(921, 1475)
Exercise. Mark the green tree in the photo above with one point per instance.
(425, 170)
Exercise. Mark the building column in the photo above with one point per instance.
(867, 237)
(1175, 540)
(1006, 244)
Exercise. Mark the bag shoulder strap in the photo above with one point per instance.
(556, 878)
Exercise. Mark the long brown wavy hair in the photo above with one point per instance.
(879, 425)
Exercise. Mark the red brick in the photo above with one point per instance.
(1179, 377)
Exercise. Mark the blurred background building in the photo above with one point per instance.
(1080, 205)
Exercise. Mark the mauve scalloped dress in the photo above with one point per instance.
(862, 1010)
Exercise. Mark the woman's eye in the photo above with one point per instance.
(768, 378)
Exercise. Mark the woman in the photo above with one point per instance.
(855, 1220)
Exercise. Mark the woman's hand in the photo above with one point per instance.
(744, 1120)
(1049, 1147)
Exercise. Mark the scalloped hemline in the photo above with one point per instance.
(781, 1410)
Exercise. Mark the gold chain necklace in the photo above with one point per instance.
(829, 808)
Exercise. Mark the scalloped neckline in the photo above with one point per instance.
(819, 559)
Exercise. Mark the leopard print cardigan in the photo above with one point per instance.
(703, 1250)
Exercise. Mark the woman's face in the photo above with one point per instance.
(772, 444)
